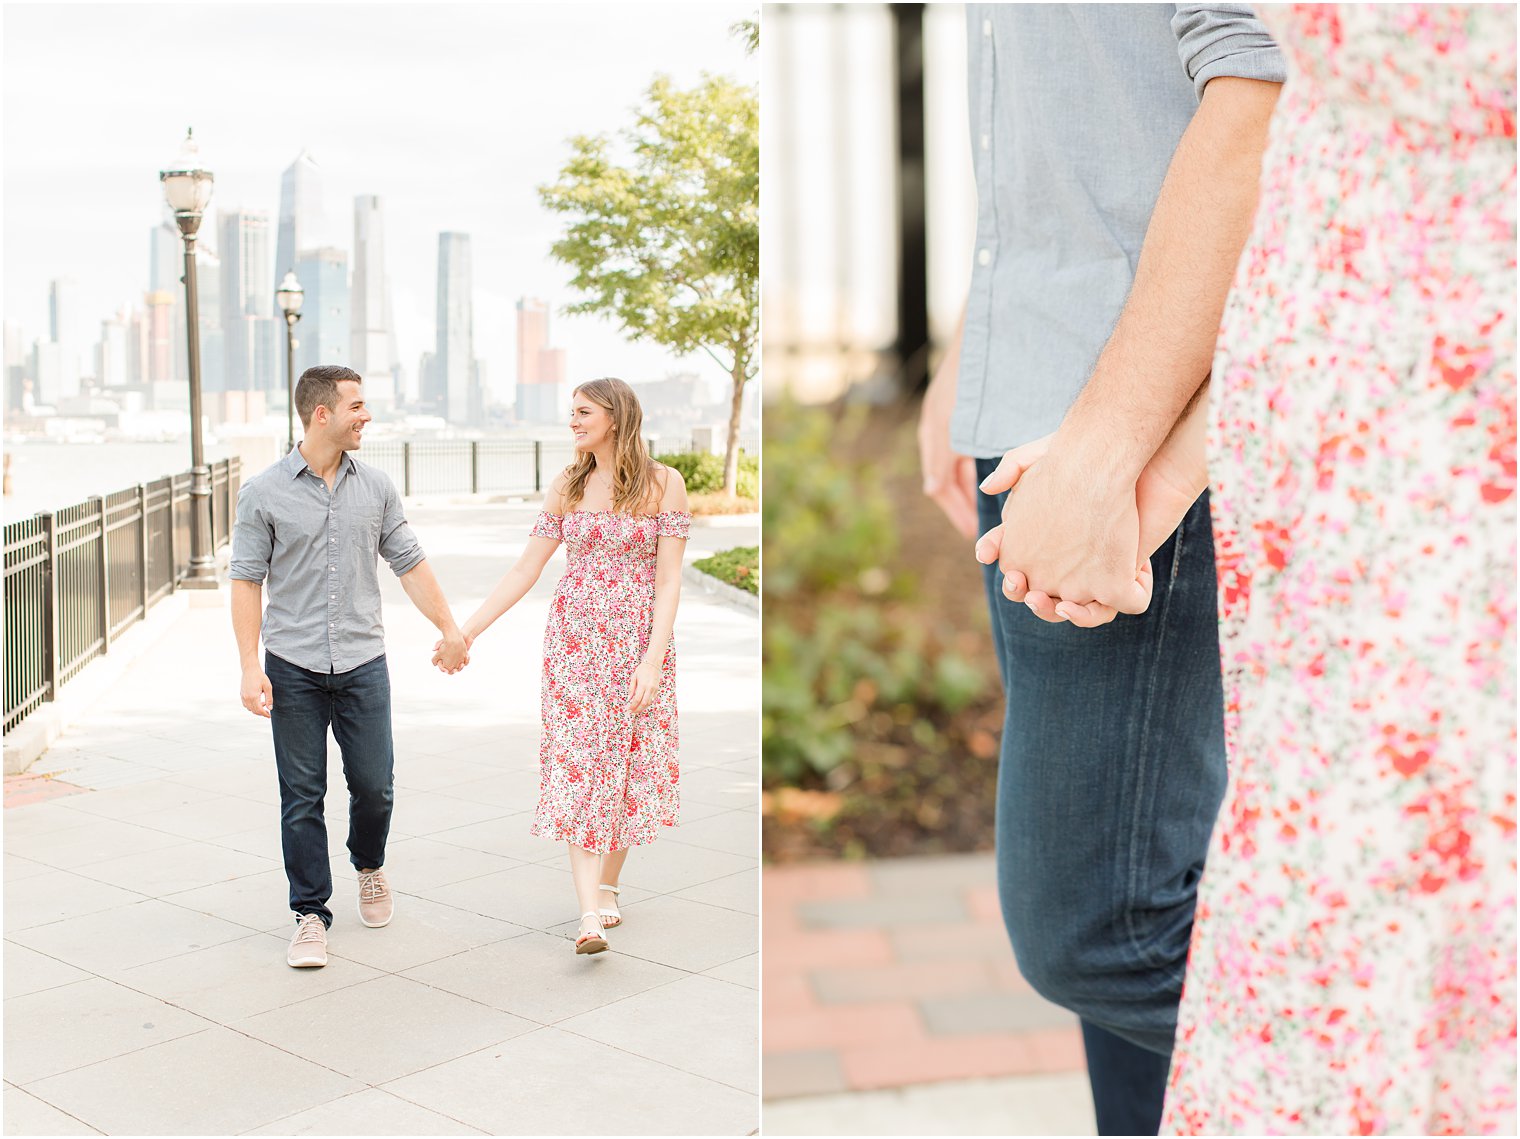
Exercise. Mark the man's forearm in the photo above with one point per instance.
(247, 614)
(422, 587)
(1162, 347)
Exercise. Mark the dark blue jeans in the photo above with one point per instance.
(1111, 774)
(357, 705)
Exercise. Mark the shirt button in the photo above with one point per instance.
(986, 27)
(984, 257)
(986, 141)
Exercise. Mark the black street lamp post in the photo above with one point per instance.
(187, 187)
(289, 295)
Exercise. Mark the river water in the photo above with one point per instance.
(46, 476)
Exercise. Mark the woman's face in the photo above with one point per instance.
(590, 423)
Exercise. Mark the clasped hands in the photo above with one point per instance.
(451, 654)
(1075, 543)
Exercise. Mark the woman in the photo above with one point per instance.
(1353, 960)
(608, 750)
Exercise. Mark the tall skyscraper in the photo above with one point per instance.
(45, 373)
(66, 329)
(166, 258)
(159, 306)
(15, 366)
(532, 337)
(254, 355)
(372, 353)
(208, 279)
(137, 348)
(111, 353)
(166, 392)
(540, 369)
(453, 371)
(324, 328)
(300, 214)
(166, 271)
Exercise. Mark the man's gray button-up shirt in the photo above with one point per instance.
(319, 552)
(1076, 110)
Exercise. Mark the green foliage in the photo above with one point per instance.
(668, 246)
(739, 567)
(703, 472)
(749, 32)
(846, 659)
(828, 519)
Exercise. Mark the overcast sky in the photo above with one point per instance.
(452, 113)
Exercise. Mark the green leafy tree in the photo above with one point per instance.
(668, 244)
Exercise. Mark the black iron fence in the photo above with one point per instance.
(75, 578)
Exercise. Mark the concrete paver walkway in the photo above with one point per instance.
(892, 1005)
(146, 990)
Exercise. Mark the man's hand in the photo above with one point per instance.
(258, 695)
(1166, 491)
(1073, 535)
(949, 479)
(452, 653)
(644, 686)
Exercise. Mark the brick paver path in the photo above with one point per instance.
(896, 973)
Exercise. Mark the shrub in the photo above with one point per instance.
(703, 472)
(739, 567)
(848, 659)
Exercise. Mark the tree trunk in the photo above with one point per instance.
(731, 457)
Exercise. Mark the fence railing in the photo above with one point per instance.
(481, 466)
(75, 578)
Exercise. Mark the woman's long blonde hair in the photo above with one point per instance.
(634, 489)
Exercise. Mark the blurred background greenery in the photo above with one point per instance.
(881, 704)
(703, 474)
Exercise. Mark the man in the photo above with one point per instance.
(315, 525)
(1116, 149)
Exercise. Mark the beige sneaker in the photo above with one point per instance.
(375, 903)
(308, 948)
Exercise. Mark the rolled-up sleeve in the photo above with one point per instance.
(252, 540)
(1217, 40)
(398, 545)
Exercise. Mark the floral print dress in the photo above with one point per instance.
(608, 779)
(1353, 959)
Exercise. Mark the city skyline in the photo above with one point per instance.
(437, 170)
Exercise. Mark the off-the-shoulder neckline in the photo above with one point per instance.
(572, 513)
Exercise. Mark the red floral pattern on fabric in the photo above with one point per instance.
(1353, 960)
(607, 779)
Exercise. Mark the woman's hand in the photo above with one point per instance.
(644, 687)
(442, 650)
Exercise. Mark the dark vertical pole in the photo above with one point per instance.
(50, 604)
(474, 466)
(105, 576)
(912, 243)
(202, 573)
(142, 548)
(173, 528)
(538, 466)
(406, 469)
(290, 384)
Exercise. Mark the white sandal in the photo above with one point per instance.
(591, 942)
(603, 915)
